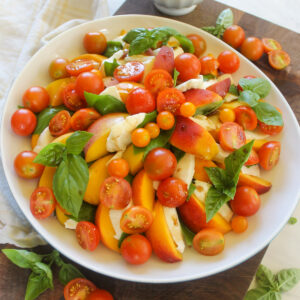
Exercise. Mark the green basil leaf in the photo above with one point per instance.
(22, 258)
(261, 293)
(179, 154)
(209, 29)
(175, 76)
(133, 34)
(265, 278)
(249, 97)
(109, 67)
(268, 114)
(105, 104)
(129, 178)
(45, 116)
(208, 108)
(233, 90)
(259, 86)
(225, 18)
(36, 285)
(51, 155)
(70, 182)
(287, 279)
(111, 48)
(185, 43)
(208, 77)
(219, 31)
(122, 238)
(68, 272)
(76, 142)
(217, 176)
(292, 220)
(191, 190)
(140, 44)
(170, 31)
(87, 212)
(188, 235)
(149, 117)
(160, 35)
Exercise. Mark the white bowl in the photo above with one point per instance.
(277, 205)
(176, 7)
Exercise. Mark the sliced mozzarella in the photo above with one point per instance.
(195, 83)
(44, 139)
(255, 135)
(177, 51)
(221, 155)
(148, 67)
(208, 83)
(119, 154)
(251, 170)
(185, 168)
(172, 220)
(155, 184)
(230, 97)
(112, 91)
(70, 224)
(204, 122)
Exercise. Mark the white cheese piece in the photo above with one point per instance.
(119, 154)
(148, 67)
(204, 122)
(172, 220)
(208, 83)
(229, 97)
(185, 168)
(120, 135)
(177, 51)
(112, 91)
(120, 39)
(155, 184)
(195, 83)
(224, 76)
(221, 155)
(44, 139)
(251, 170)
(256, 135)
(70, 224)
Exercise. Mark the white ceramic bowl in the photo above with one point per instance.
(176, 7)
(277, 205)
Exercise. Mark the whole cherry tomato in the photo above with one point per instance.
(23, 122)
(118, 167)
(36, 98)
(88, 82)
(239, 224)
(95, 42)
(234, 35)
(229, 61)
(140, 137)
(165, 120)
(199, 44)
(153, 130)
(57, 68)
(188, 66)
(252, 48)
(140, 100)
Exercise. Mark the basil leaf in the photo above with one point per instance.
(185, 43)
(45, 116)
(149, 117)
(259, 86)
(208, 108)
(51, 155)
(191, 190)
(70, 182)
(76, 142)
(175, 76)
(209, 29)
(268, 114)
(187, 234)
(160, 35)
(292, 221)
(68, 272)
(87, 213)
(36, 285)
(170, 31)
(249, 97)
(208, 77)
(105, 104)
(111, 48)
(179, 154)
(265, 277)
(233, 90)
(225, 18)
(109, 67)
(140, 44)
(22, 258)
(287, 279)
(217, 176)
(261, 293)
(122, 238)
(133, 34)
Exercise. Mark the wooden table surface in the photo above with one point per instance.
(231, 284)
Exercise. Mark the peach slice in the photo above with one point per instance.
(257, 144)
(200, 173)
(125, 88)
(221, 87)
(259, 184)
(135, 160)
(60, 215)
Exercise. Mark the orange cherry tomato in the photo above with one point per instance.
(198, 43)
(246, 117)
(78, 289)
(170, 99)
(100, 295)
(269, 129)
(165, 120)
(239, 224)
(234, 35)
(60, 123)
(229, 61)
(187, 109)
(83, 118)
(270, 45)
(140, 100)
(252, 48)
(76, 67)
(36, 99)
(209, 65)
(118, 167)
(23, 122)
(88, 235)
(269, 154)
(209, 242)
(164, 59)
(232, 136)
(57, 68)
(131, 71)
(140, 137)
(95, 42)
(158, 80)
(188, 66)
(153, 130)
(253, 158)
(71, 99)
(88, 82)
(279, 59)
(227, 115)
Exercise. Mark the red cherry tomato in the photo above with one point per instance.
(83, 118)
(115, 193)
(247, 77)
(23, 122)
(78, 289)
(36, 99)
(95, 42)
(88, 235)
(158, 80)
(140, 100)
(160, 163)
(172, 192)
(131, 71)
(246, 117)
(71, 99)
(25, 167)
(60, 123)
(270, 45)
(229, 61)
(164, 59)
(232, 136)
(269, 129)
(57, 68)
(209, 65)
(170, 99)
(199, 44)
(76, 67)
(88, 82)
(100, 295)
(234, 35)
(279, 59)
(269, 155)
(253, 158)
(42, 202)
(252, 48)
(246, 201)
(136, 249)
(188, 66)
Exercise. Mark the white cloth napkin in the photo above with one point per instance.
(24, 27)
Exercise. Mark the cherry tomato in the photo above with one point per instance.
(209, 242)
(170, 99)
(131, 71)
(209, 65)
(234, 35)
(136, 249)
(71, 99)
(36, 99)
(269, 129)
(115, 193)
(198, 43)
(57, 68)
(25, 167)
(100, 295)
(88, 82)
(165, 120)
(118, 167)
(76, 67)
(88, 235)
(60, 123)
(246, 117)
(253, 158)
(188, 66)
(279, 59)
(270, 45)
(227, 115)
(172, 192)
(160, 163)
(247, 77)
(140, 137)
(23, 122)
(95, 42)
(140, 100)
(229, 61)
(153, 130)
(269, 155)
(187, 109)
(232, 136)
(239, 224)
(83, 118)
(164, 59)
(78, 289)
(246, 201)
(136, 219)
(252, 48)
(158, 80)
(42, 202)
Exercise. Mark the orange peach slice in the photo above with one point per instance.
(135, 160)
(259, 184)
(200, 173)
(257, 144)
(125, 88)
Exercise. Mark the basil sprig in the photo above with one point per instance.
(87, 213)
(175, 76)
(109, 67)
(112, 47)
(149, 117)
(191, 190)
(207, 109)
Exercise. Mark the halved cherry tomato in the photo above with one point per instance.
(36, 98)
(253, 158)
(71, 99)
(88, 82)
(78, 289)
(229, 61)
(247, 77)
(220, 87)
(115, 193)
(252, 48)
(100, 295)
(88, 235)
(165, 120)
(209, 65)
(234, 35)
(60, 123)
(118, 167)
(198, 43)
(23, 122)
(227, 115)
(76, 67)
(131, 71)
(136, 249)
(246, 117)
(239, 224)
(232, 136)
(279, 59)
(172, 192)
(270, 129)
(140, 100)
(140, 137)
(170, 99)
(25, 167)
(187, 109)
(136, 219)
(153, 129)
(269, 155)
(209, 242)
(42, 202)
(57, 68)
(158, 80)
(270, 45)
(188, 66)
(164, 59)
(83, 118)
(94, 42)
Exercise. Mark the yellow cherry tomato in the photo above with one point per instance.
(227, 115)
(140, 137)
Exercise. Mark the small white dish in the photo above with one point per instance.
(176, 7)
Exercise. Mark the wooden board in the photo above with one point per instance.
(229, 285)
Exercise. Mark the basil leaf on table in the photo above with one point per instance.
(208, 108)
(188, 235)
(259, 86)
(22, 258)
(109, 67)
(225, 18)
(51, 155)
(87, 213)
(76, 142)
(249, 97)
(175, 76)
(191, 190)
(261, 293)
(68, 272)
(111, 48)
(149, 117)
(264, 277)
(268, 114)
(209, 29)
(287, 279)
(36, 285)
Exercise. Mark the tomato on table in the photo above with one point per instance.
(252, 48)
(60, 123)
(269, 154)
(187, 109)
(188, 66)
(136, 249)
(118, 167)
(76, 67)
(25, 167)
(158, 80)
(229, 61)
(131, 71)
(95, 42)
(165, 120)
(100, 295)
(246, 117)
(88, 82)
(71, 99)
(239, 224)
(140, 100)
(269, 129)
(153, 130)
(209, 65)
(88, 235)
(23, 122)
(198, 43)
(57, 68)
(253, 158)
(278, 59)
(78, 289)
(227, 115)
(140, 137)
(83, 118)
(270, 45)
(232, 136)
(42, 202)
(234, 35)
(36, 98)
(170, 99)
(164, 59)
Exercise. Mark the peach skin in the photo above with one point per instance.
(259, 184)
(200, 173)
(125, 88)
